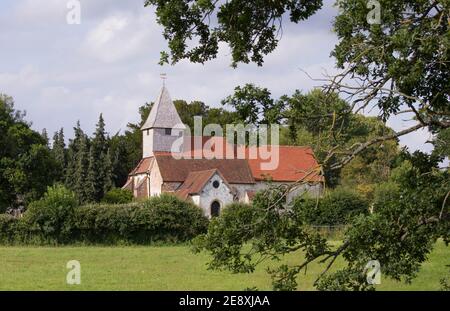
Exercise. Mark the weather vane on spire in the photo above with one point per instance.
(163, 78)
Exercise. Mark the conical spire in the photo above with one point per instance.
(163, 113)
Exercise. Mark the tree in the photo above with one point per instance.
(99, 172)
(252, 29)
(72, 156)
(82, 164)
(26, 165)
(254, 105)
(401, 65)
(400, 233)
(442, 143)
(59, 152)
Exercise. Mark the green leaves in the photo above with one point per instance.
(26, 165)
(407, 54)
(194, 28)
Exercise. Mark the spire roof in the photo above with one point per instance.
(163, 113)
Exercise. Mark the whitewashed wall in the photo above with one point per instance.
(209, 194)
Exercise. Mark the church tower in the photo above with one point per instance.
(163, 126)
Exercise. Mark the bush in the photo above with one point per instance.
(8, 228)
(164, 218)
(335, 208)
(57, 219)
(51, 218)
(118, 196)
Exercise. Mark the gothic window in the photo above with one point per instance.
(215, 209)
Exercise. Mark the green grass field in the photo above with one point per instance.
(161, 268)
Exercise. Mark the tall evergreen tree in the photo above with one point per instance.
(108, 181)
(91, 181)
(99, 179)
(59, 152)
(81, 170)
(72, 157)
(44, 135)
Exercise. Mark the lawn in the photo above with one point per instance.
(161, 268)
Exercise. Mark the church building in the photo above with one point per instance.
(211, 183)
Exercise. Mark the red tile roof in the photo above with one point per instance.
(235, 171)
(143, 166)
(295, 163)
(195, 182)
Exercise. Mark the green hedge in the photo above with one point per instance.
(118, 196)
(56, 219)
(335, 208)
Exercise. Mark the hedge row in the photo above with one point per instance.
(337, 207)
(56, 219)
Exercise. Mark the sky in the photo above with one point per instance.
(60, 73)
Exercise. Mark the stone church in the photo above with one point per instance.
(211, 183)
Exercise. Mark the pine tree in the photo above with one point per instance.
(108, 184)
(91, 181)
(59, 152)
(99, 179)
(44, 135)
(81, 170)
(73, 158)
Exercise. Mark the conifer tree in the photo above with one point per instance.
(59, 152)
(91, 181)
(108, 181)
(99, 179)
(72, 158)
(44, 135)
(81, 170)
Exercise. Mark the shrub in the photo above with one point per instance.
(164, 218)
(336, 208)
(51, 218)
(57, 219)
(8, 228)
(118, 196)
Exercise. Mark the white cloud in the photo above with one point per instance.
(119, 37)
(28, 77)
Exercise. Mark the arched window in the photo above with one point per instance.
(215, 209)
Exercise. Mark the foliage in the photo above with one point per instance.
(57, 219)
(98, 180)
(59, 153)
(118, 196)
(250, 28)
(403, 61)
(26, 164)
(399, 234)
(164, 218)
(254, 105)
(8, 228)
(442, 143)
(51, 217)
(337, 207)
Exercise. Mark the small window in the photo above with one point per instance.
(148, 132)
(216, 184)
(168, 131)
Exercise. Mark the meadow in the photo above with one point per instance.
(163, 268)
